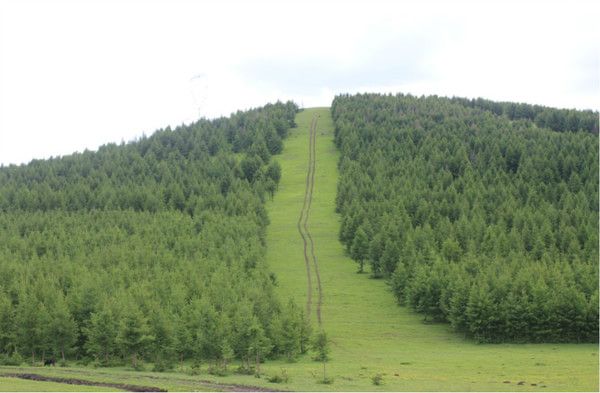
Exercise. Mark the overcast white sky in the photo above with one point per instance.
(78, 74)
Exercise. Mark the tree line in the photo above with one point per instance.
(488, 223)
(152, 250)
(561, 120)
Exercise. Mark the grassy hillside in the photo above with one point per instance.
(370, 334)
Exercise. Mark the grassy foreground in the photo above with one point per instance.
(20, 385)
(370, 334)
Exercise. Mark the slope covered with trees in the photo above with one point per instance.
(149, 250)
(479, 218)
(560, 120)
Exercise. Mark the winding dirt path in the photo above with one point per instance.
(210, 385)
(313, 157)
(303, 225)
(76, 381)
(300, 226)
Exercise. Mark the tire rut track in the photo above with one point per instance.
(210, 385)
(313, 158)
(302, 226)
(299, 225)
(75, 381)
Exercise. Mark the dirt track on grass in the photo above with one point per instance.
(75, 381)
(303, 225)
(209, 385)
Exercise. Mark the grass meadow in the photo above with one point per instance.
(370, 334)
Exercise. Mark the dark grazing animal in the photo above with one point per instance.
(50, 362)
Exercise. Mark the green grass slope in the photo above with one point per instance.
(370, 334)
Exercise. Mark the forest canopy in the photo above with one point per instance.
(152, 250)
(481, 214)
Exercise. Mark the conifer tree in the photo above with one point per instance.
(102, 333)
(360, 248)
(62, 329)
(134, 335)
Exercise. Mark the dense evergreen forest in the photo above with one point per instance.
(478, 213)
(555, 119)
(150, 250)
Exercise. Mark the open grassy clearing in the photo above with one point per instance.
(370, 333)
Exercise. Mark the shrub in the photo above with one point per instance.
(85, 361)
(326, 381)
(162, 365)
(11, 360)
(245, 370)
(219, 370)
(194, 369)
(377, 379)
(279, 378)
